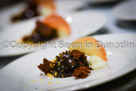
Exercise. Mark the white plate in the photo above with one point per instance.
(61, 5)
(23, 74)
(68, 5)
(125, 10)
(82, 23)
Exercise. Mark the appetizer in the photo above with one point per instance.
(74, 61)
(36, 8)
(51, 27)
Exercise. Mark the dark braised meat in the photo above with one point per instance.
(30, 12)
(66, 63)
(41, 33)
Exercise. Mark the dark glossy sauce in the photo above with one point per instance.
(65, 65)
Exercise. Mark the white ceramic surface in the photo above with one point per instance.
(61, 6)
(125, 10)
(82, 23)
(23, 74)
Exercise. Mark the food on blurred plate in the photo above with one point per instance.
(36, 8)
(74, 61)
(51, 27)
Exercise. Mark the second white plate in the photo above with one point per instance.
(82, 23)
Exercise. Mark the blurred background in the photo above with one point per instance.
(5, 3)
(120, 16)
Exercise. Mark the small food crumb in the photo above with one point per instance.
(57, 82)
(51, 65)
(45, 67)
(41, 79)
(51, 78)
(49, 82)
(81, 72)
(55, 73)
(58, 63)
(49, 75)
(33, 81)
